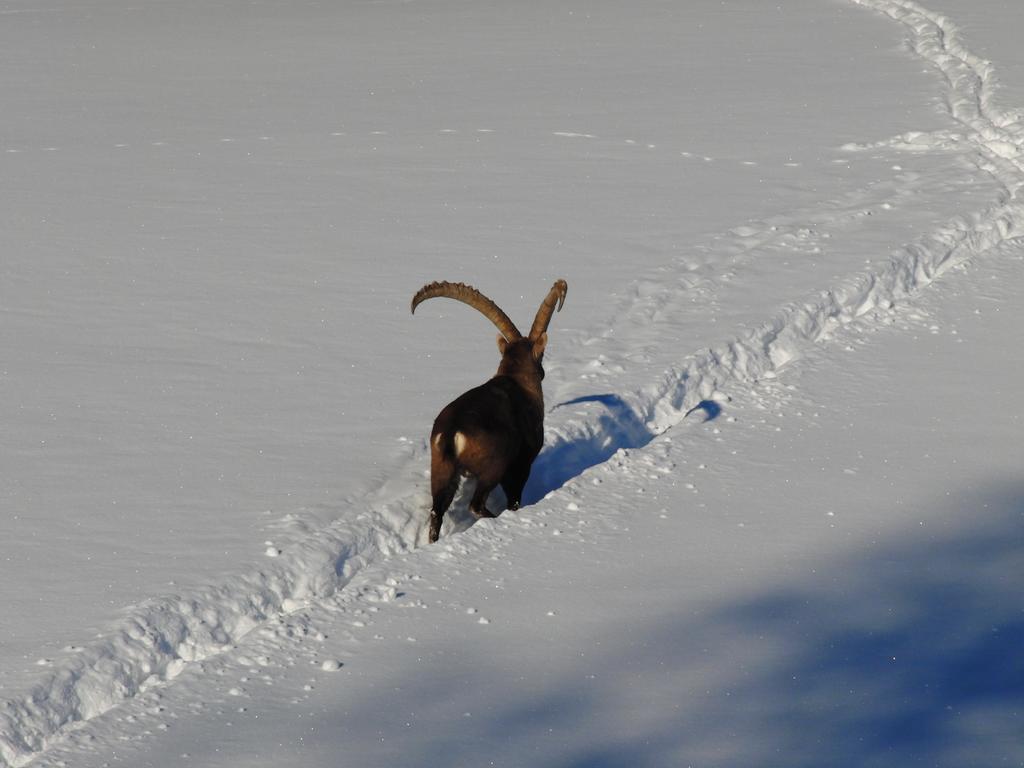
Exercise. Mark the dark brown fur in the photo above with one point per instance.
(502, 424)
(495, 431)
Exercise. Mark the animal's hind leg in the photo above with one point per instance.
(444, 482)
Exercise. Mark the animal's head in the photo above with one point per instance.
(523, 354)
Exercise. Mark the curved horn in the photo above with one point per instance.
(555, 296)
(467, 294)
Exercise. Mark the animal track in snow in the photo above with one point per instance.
(185, 634)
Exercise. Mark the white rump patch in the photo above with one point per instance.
(460, 443)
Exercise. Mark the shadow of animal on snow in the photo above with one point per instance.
(896, 654)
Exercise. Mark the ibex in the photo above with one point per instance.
(495, 431)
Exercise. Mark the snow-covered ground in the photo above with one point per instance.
(796, 222)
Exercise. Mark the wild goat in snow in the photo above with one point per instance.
(494, 431)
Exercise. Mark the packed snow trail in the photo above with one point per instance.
(994, 137)
(161, 637)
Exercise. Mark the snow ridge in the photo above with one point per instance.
(160, 637)
(972, 83)
(995, 138)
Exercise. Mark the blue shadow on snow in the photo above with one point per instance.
(618, 426)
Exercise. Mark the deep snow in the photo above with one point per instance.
(209, 362)
(827, 573)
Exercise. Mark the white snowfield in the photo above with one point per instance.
(777, 519)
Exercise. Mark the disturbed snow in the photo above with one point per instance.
(665, 398)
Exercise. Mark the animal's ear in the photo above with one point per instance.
(502, 343)
(538, 346)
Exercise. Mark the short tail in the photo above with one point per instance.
(446, 443)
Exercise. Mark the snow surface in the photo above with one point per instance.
(778, 515)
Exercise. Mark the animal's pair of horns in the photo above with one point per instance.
(467, 294)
